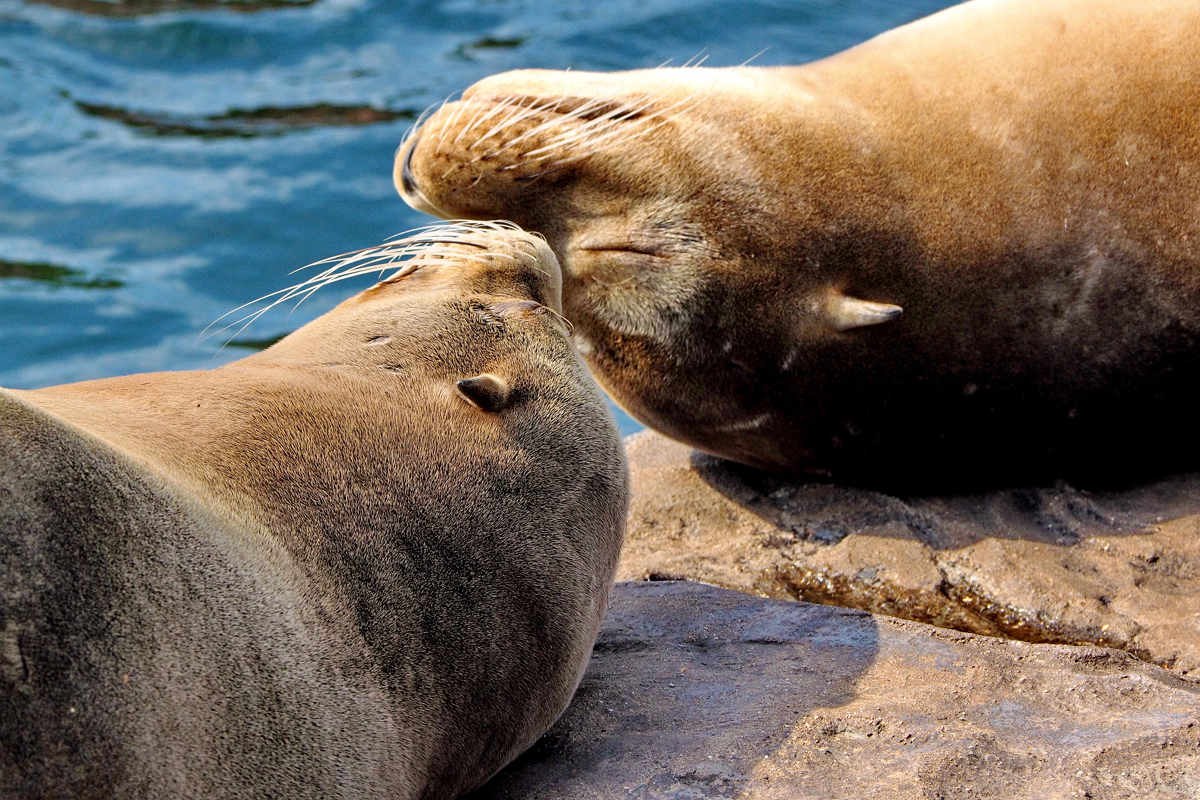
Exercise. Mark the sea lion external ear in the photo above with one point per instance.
(484, 391)
(849, 312)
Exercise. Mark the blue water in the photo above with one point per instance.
(162, 162)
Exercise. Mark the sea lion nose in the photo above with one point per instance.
(408, 183)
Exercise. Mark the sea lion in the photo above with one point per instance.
(369, 561)
(964, 251)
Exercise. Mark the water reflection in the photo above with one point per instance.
(267, 121)
(54, 275)
(121, 9)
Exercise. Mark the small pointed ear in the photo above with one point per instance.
(849, 312)
(485, 391)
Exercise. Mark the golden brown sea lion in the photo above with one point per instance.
(1021, 178)
(369, 561)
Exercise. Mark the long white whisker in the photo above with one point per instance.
(756, 55)
(576, 133)
(424, 115)
(537, 129)
(421, 246)
(613, 118)
(558, 121)
(449, 125)
(639, 127)
(519, 113)
(536, 108)
(479, 119)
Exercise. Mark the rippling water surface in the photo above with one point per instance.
(163, 161)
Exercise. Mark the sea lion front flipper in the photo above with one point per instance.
(485, 391)
(849, 312)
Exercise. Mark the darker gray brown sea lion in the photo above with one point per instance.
(367, 562)
(1021, 178)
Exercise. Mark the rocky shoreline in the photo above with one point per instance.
(966, 646)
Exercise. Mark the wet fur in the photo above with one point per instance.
(319, 571)
(1022, 177)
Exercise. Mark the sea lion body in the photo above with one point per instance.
(321, 571)
(1020, 177)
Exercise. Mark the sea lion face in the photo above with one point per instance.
(675, 213)
(494, 286)
(966, 251)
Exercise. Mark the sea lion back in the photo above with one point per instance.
(112, 683)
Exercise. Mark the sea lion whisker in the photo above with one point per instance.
(680, 104)
(580, 133)
(400, 239)
(202, 335)
(373, 259)
(529, 111)
(540, 127)
(449, 125)
(475, 111)
(449, 227)
(420, 120)
(756, 55)
(566, 322)
(519, 113)
(422, 253)
(582, 111)
(487, 114)
(552, 122)
(612, 122)
(509, 104)
(639, 128)
(591, 140)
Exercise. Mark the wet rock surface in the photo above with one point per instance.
(698, 692)
(1052, 564)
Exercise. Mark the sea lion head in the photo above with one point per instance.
(459, 296)
(426, 478)
(680, 224)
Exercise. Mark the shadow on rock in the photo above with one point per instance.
(1049, 564)
(1058, 514)
(689, 688)
(696, 692)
